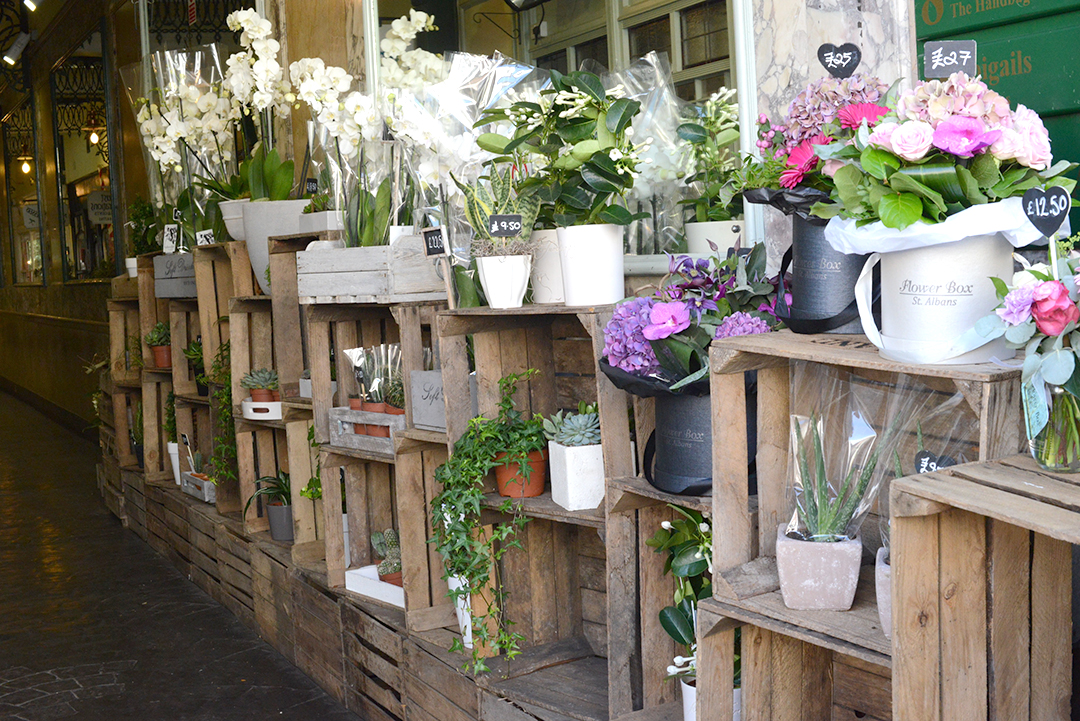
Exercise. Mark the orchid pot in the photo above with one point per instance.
(400, 231)
(817, 575)
(592, 264)
(262, 220)
(546, 280)
(232, 212)
(505, 278)
(724, 233)
(132, 265)
(321, 222)
(689, 701)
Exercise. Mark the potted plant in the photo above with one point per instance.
(231, 197)
(388, 549)
(584, 135)
(160, 344)
(658, 347)
(577, 458)
(518, 443)
(395, 395)
(469, 555)
(142, 220)
(503, 256)
(319, 216)
(687, 545)
(194, 354)
(263, 384)
(169, 428)
(271, 211)
(708, 143)
(935, 190)
(277, 499)
(196, 483)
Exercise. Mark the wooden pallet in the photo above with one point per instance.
(374, 658)
(272, 596)
(125, 334)
(391, 274)
(234, 569)
(317, 633)
(981, 592)
(745, 587)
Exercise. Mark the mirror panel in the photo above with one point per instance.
(24, 200)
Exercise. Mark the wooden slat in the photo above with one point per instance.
(1009, 549)
(916, 620)
(962, 587)
(1051, 629)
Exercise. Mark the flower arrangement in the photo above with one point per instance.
(410, 69)
(1040, 312)
(707, 146)
(945, 146)
(253, 76)
(666, 337)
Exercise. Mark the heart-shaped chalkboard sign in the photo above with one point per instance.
(927, 462)
(1046, 209)
(840, 61)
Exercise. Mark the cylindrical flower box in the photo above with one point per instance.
(547, 281)
(823, 279)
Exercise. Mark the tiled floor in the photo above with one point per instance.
(95, 625)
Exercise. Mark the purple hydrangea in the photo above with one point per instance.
(1017, 308)
(624, 340)
(740, 323)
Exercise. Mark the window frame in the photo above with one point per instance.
(30, 101)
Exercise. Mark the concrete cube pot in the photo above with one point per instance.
(577, 476)
(817, 576)
(883, 588)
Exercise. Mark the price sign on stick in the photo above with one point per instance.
(204, 237)
(943, 58)
(840, 61)
(311, 186)
(435, 246)
(504, 226)
(1046, 209)
(177, 215)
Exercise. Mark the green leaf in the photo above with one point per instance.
(599, 182)
(1020, 334)
(588, 84)
(970, 186)
(1058, 365)
(877, 162)
(693, 133)
(493, 143)
(585, 149)
(935, 182)
(621, 112)
(280, 185)
(985, 169)
(990, 326)
(677, 625)
(899, 210)
(904, 183)
(618, 215)
(1000, 287)
(577, 129)
(847, 180)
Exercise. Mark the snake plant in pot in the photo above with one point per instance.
(502, 221)
(577, 458)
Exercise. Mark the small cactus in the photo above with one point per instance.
(388, 548)
(263, 378)
(197, 462)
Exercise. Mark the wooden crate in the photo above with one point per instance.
(152, 310)
(981, 592)
(133, 489)
(435, 686)
(745, 586)
(272, 596)
(174, 275)
(125, 341)
(156, 389)
(167, 527)
(222, 271)
(397, 273)
(317, 640)
(290, 327)
(373, 644)
(234, 571)
(202, 537)
(184, 327)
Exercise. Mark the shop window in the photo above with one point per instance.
(24, 220)
(704, 33)
(595, 50)
(702, 62)
(653, 35)
(554, 61)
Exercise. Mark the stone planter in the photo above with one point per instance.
(577, 476)
(321, 222)
(817, 576)
(281, 522)
(546, 280)
(263, 219)
(232, 212)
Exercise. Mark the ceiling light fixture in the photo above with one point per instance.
(16, 49)
(30, 5)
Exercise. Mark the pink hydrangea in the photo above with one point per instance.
(740, 323)
(820, 102)
(933, 101)
(1034, 139)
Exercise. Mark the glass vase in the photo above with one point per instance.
(1057, 446)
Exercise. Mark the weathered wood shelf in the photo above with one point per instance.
(360, 455)
(194, 400)
(575, 689)
(543, 507)
(645, 494)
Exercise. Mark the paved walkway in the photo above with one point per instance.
(95, 625)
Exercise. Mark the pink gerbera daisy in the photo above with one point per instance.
(852, 116)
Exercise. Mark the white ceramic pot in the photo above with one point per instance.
(263, 219)
(232, 212)
(931, 299)
(722, 232)
(547, 283)
(463, 609)
(817, 576)
(577, 475)
(322, 221)
(592, 264)
(883, 589)
(399, 231)
(132, 265)
(505, 279)
(174, 458)
(689, 702)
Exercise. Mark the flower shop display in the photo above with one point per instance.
(1039, 311)
(658, 347)
(933, 191)
(160, 343)
(709, 144)
(275, 494)
(503, 256)
(793, 179)
(264, 402)
(577, 458)
(471, 557)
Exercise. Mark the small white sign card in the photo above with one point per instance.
(170, 237)
(204, 237)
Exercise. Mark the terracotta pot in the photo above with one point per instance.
(376, 430)
(355, 404)
(394, 578)
(262, 395)
(512, 485)
(394, 411)
(162, 356)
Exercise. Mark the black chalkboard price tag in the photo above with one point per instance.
(927, 462)
(504, 226)
(1047, 209)
(945, 57)
(839, 61)
(311, 186)
(434, 243)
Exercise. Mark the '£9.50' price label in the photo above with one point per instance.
(504, 226)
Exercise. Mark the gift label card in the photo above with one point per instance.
(1047, 209)
(1036, 409)
(434, 243)
(840, 61)
(204, 237)
(942, 58)
(504, 226)
(169, 238)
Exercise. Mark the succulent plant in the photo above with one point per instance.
(158, 335)
(388, 548)
(197, 462)
(574, 429)
(262, 378)
(194, 353)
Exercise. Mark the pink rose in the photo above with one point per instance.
(831, 166)
(882, 136)
(912, 140)
(1008, 145)
(1034, 139)
(1052, 309)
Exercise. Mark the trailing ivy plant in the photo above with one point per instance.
(468, 553)
(169, 425)
(223, 460)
